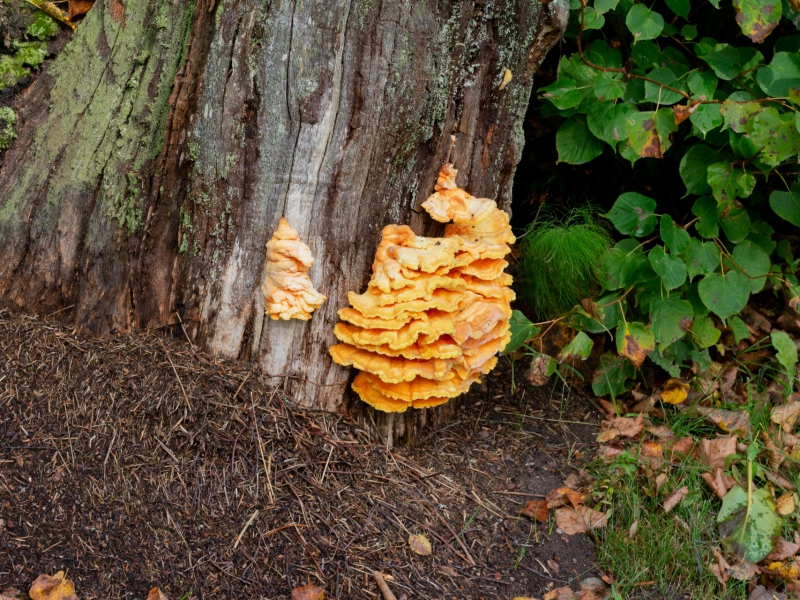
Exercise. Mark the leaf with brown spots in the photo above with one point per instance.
(635, 342)
(419, 544)
(308, 592)
(56, 587)
(730, 421)
(757, 18)
(674, 391)
(536, 509)
(580, 520)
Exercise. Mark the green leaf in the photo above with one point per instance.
(633, 214)
(609, 122)
(754, 262)
(705, 332)
(787, 204)
(603, 6)
(774, 138)
(694, 168)
(610, 86)
(575, 143)
(706, 210)
(522, 330)
(671, 269)
(787, 351)
(750, 526)
(782, 74)
(670, 318)
(635, 342)
(579, 348)
(739, 329)
(722, 58)
(701, 258)
(729, 183)
(646, 55)
(563, 93)
(689, 32)
(644, 23)
(739, 115)
(676, 238)
(702, 84)
(725, 295)
(612, 376)
(656, 93)
(649, 132)
(706, 118)
(680, 7)
(625, 265)
(757, 18)
(736, 224)
(600, 53)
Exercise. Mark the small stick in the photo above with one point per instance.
(246, 525)
(387, 593)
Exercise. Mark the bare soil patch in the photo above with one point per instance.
(135, 461)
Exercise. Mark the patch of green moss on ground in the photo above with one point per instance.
(7, 133)
(31, 54)
(43, 27)
(11, 71)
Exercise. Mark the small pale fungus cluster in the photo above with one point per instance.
(288, 291)
(436, 311)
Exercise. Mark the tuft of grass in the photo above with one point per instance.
(560, 261)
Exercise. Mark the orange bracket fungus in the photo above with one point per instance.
(436, 311)
(288, 292)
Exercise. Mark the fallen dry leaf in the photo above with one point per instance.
(714, 452)
(652, 453)
(578, 479)
(580, 520)
(634, 528)
(10, 594)
(558, 497)
(419, 544)
(553, 566)
(662, 432)
(621, 426)
(674, 391)
(786, 503)
(608, 453)
(77, 8)
(730, 421)
(786, 415)
(660, 481)
(761, 593)
(536, 509)
(774, 455)
(308, 592)
(156, 594)
(562, 593)
(683, 447)
(675, 498)
(56, 587)
(538, 373)
(608, 407)
(744, 571)
(779, 480)
(782, 551)
(721, 568)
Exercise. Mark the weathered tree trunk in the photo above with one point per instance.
(159, 150)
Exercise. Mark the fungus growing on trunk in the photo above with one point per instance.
(288, 292)
(436, 311)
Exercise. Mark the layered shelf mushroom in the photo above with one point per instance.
(436, 311)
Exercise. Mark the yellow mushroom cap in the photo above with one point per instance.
(391, 369)
(351, 315)
(377, 400)
(421, 388)
(368, 303)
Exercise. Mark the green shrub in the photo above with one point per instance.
(560, 261)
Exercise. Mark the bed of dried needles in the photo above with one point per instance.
(135, 461)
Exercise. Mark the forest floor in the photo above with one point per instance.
(135, 461)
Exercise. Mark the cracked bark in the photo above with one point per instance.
(158, 152)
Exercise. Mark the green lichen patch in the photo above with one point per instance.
(43, 27)
(31, 54)
(7, 133)
(11, 71)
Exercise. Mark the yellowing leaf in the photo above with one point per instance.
(786, 503)
(156, 594)
(785, 571)
(674, 391)
(419, 544)
(786, 415)
(308, 592)
(635, 342)
(730, 421)
(57, 587)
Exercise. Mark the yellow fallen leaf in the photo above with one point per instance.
(674, 391)
(786, 503)
(786, 415)
(56, 587)
(419, 544)
(785, 571)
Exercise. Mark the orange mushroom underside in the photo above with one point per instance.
(436, 311)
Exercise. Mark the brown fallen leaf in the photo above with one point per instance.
(786, 503)
(156, 594)
(761, 593)
(714, 452)
(652, 454)
(660, 481)
(721, 568)
(779, 480)
(308, 592)
(578, 479)
(634, 528)
(786, 415)
(709, 479)
(580, 520)
(674, 391)
(419, 544)
(10, 594)
(621, 426)
(536, 509)
(675, 498)
(77, 8)
(553, 566)
(538, 373)
(56, 587)
(774, 455)
(782, 551)
(662, 432)
(562, 593)
(730, 421)
(608, 407)
(608, 453)
(558, 497)
(682, 448)
(744, 571)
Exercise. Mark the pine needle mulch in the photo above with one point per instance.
(135, 461)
